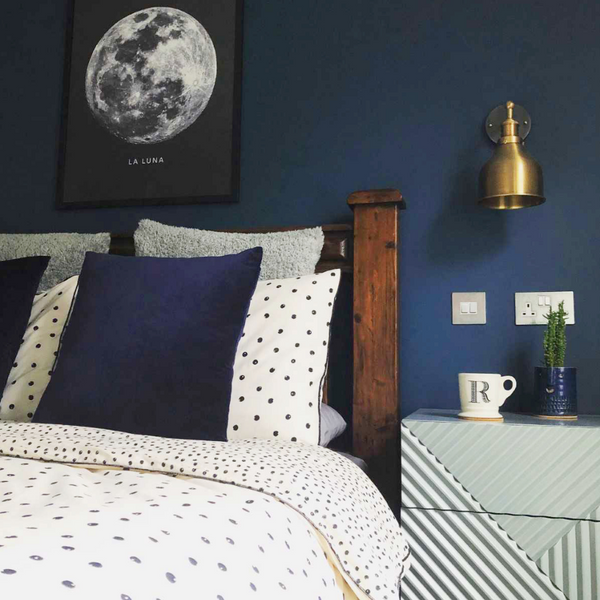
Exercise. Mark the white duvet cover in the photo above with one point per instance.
(96, 514)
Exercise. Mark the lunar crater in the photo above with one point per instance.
(151, 75)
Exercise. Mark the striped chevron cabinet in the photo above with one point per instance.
(501, 511)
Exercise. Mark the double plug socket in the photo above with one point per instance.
(531, 308)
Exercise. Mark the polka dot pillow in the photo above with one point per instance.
(31, 371)
(279, 366)
(281, 359)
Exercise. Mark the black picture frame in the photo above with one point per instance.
(200, 164)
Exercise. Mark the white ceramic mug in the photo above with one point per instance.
(482, 394)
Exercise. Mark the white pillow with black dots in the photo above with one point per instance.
(279, 367)
(31, 371)
(281, 360)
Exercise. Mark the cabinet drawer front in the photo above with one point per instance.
(468, 556)
(573, 563)
(517, 468)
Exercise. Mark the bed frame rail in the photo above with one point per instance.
(335, 254)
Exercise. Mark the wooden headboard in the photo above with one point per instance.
(369, 250)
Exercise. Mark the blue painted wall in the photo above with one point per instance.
(354, 94)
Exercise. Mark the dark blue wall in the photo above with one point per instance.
(353, 94)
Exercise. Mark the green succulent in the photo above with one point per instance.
(555, 337)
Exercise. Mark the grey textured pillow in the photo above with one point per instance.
(66, 251)
(285, 254)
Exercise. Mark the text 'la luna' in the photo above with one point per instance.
(146, 161)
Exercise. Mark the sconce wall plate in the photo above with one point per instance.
(493, 123)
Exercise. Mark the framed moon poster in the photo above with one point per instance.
(151, 109)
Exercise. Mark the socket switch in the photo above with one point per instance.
(531, 307)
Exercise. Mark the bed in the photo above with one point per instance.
(90, 512)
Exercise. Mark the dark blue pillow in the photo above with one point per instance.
(151, 344)
(19, 280)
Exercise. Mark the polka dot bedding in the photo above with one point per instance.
(32, 369)
(281, 359)
(157, 518)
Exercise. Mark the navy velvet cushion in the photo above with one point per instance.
(151, 343)
(19, 280)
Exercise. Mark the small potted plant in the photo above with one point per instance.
(555, 386)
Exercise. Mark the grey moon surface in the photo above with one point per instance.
(151, 75)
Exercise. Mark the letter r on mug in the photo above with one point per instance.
(485, 386)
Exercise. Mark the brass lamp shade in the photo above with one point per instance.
(512, 178)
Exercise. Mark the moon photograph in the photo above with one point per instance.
(151, 75)
(152, 103)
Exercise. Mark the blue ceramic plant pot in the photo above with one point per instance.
(555, 392)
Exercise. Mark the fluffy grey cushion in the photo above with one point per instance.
(66, 251)
(285, 254)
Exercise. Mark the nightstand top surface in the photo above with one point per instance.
(434, 415)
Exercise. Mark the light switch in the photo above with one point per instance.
(468, 308)
(540, 300)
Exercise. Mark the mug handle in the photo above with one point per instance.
(512, 389)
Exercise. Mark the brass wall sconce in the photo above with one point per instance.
(512, 178)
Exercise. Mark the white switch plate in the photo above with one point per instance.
(530, 307)
(468, 308)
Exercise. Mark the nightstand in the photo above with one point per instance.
(501, 510)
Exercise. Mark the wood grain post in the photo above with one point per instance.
(376, 335)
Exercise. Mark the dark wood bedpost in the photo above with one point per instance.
(376, 335)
